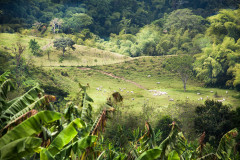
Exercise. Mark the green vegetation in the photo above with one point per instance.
(119, 79)
(62, 43)
(34, 47)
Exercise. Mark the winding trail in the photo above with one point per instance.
(114, 76)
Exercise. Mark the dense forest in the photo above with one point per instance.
(120, 79)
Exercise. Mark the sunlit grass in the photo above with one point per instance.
(132, 70)
(81, 56)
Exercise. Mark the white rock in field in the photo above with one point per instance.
(171, 99)
(220, 100)
(149, 76)
(226, 92)
(132, 98)
(187, 97)
(158, 82)
(198, 93)
(201, 98)
(211, 91)
(131, 91)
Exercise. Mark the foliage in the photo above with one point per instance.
(163, 126)
(218, 61)
(184, 19)
(34, 47)
(19, 104)
(214, 118)
(62, 43)
(69, 136)
(77, 22)
(20, 148)
(182, 65)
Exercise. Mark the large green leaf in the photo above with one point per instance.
(37, 104)
(226, 145)
(5, 87)
(173, 155)
(4, 76)
(77, 148)
(20, 148)
(65, 136)
(22, 102)
(150, 154)
(29, 127)
(171, 141)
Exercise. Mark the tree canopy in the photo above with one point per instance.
(63, 43)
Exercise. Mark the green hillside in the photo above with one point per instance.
(119, 80)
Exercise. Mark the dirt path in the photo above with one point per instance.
(117, 77)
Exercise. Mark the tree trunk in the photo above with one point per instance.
(184, 86)
(54, 28)
(63, 51)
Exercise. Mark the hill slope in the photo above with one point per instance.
(82, 56)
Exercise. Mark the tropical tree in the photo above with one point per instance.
(34, 47)
(56, 23)
(77, 22)
(225, 23)
(63, 43)
(214, 119)
(182, 65)
(184, 19)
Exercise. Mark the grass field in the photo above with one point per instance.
(82, 56)
(98, 68)
(133, 71)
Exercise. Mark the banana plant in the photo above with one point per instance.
(21, 141)
(86, 107)
(6, 86)
(175, 147)
(29, 127)
(20, 148)
(225, 147)
(175, 141)
(19, 104)
(67, 143)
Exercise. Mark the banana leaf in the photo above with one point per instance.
(65, 136)
(37, 104)
(45, 155)
(4, 76)
(226, 145)
(78, 147)
(22, 102)
(5, 87)
(20, 148)
(150, 154)
(175, 141)
(173, 155)
(29, 127)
